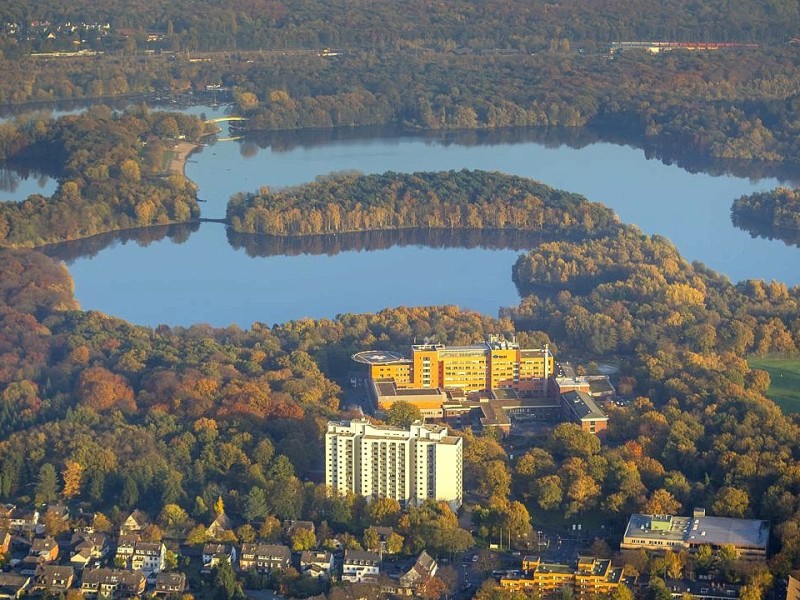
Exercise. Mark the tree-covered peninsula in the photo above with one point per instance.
(113, 173)
(464, 199)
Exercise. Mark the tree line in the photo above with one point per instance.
(493, 25)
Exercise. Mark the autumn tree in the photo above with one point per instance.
(303, 539)
(383, 511)
(72, 475)
(102, 390)
(403, 414)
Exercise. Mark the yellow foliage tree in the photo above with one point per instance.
(72, 478)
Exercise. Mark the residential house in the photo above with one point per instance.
(793, 589)
(88, 549)
(264, 558)
(135, 523)
(359, 566)
(13, 586)
(54, 578)
(290, 527)
(149, 557)
(25, 522)
(420, 572)
(30, 565)
(588, 576)
(169, 584)
(214, 553)
(112, 583)
(697, 590)
(46, 548)
(221, 526)
(125, 545)
(316, 564)
(58, 510)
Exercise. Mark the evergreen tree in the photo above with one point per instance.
(46, 484)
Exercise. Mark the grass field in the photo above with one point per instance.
(785, 376)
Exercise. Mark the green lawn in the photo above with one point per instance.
(784, 374)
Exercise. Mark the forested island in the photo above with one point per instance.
(113, 172)
(464, 199)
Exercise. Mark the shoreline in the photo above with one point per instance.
(181, 152)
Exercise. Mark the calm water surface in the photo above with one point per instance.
(205, 279)
(17, 184)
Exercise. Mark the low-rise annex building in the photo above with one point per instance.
(748, 537)
(409, 465)
(580, 408)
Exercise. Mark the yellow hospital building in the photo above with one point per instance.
(493, 364)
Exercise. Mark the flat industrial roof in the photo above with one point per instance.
(378, 357)
(505, 394)
(454, 350)
(702, 530)
(387, 387)
(532, 351)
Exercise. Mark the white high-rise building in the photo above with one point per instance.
(409, 465)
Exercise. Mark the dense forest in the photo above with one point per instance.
(386, 25)
(113, 174)
(447, 200)
(779, 208)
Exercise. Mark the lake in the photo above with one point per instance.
(206, 275)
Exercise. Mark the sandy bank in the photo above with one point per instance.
(181, 152)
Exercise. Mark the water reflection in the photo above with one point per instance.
(549, 137)
(92, 246)
(265, 246)
(269, 245)
(20, 179)
(763, 230)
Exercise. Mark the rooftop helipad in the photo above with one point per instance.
(378, 357)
